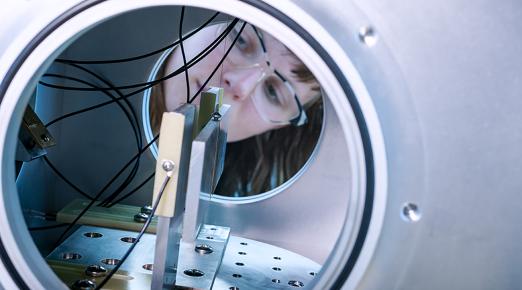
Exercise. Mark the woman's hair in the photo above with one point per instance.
(265, 161)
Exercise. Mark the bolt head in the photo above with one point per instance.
(167, 165)
(95, 271)
(147, 209)
(83, 284)
(141, 217)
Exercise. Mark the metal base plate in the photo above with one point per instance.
(247, 264)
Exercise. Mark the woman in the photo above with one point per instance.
(276, 107)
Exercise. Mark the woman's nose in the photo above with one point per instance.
(241, 83)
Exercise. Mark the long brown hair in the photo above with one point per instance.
(265, 161)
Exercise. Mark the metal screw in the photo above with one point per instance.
(295, 283)
(141, 217)
(193, 273)
(216, 116)
(83, 285)
(368, 36)
(147, 209)
(168, 165)
(410, 212)
(45, 138)
(203, 249)
(95, 271)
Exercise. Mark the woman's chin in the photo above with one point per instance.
(235, 136)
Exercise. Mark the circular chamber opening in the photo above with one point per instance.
(292, 134)
(276, 104)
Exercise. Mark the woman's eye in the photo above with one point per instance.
(271, 94)
(242, 43)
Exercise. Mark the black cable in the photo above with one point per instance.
(110, 203)
(219, 64)
(183, 50)
(46, 227)
(141, 233)
(107, 200)
(136, 128)
(97, 196)
(57, 172)
(71, 61)
(137, 133)
(191, 63)
(127, 95)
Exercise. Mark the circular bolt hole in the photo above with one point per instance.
(128, 239)
(71, 256)
(203, 249)
(241, 253)
(312, 273)
(193, 273)
(243, 243)
(110, 261)
(148, 267)
(368, 36)
(295, 283)
(276, 280)
(95, 271)
(210, 238)
(240, 264)
(276, 268)
(213, 229)
(83, 285)
(277, 258)
(410, 212)
(93, 235)
(237, 275)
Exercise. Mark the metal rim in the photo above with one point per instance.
(261, 6)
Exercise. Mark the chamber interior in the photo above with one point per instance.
(287, 203)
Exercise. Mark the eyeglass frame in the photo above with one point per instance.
(301, 118)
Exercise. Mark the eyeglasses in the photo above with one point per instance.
(274, 97)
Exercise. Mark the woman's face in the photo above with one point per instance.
(243, 78)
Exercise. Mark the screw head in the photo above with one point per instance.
(45, 138)
(367, 36)
(216, 116)
(410, 212)
(141, 217)
(83, 284)
(167, 165)
(147, 209)
(95, 271)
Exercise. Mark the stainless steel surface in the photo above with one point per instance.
(254, 268)
(444, 80)
(108, 248)
(242, 263)
(198, 268)
(206, 165)
(166, 252)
